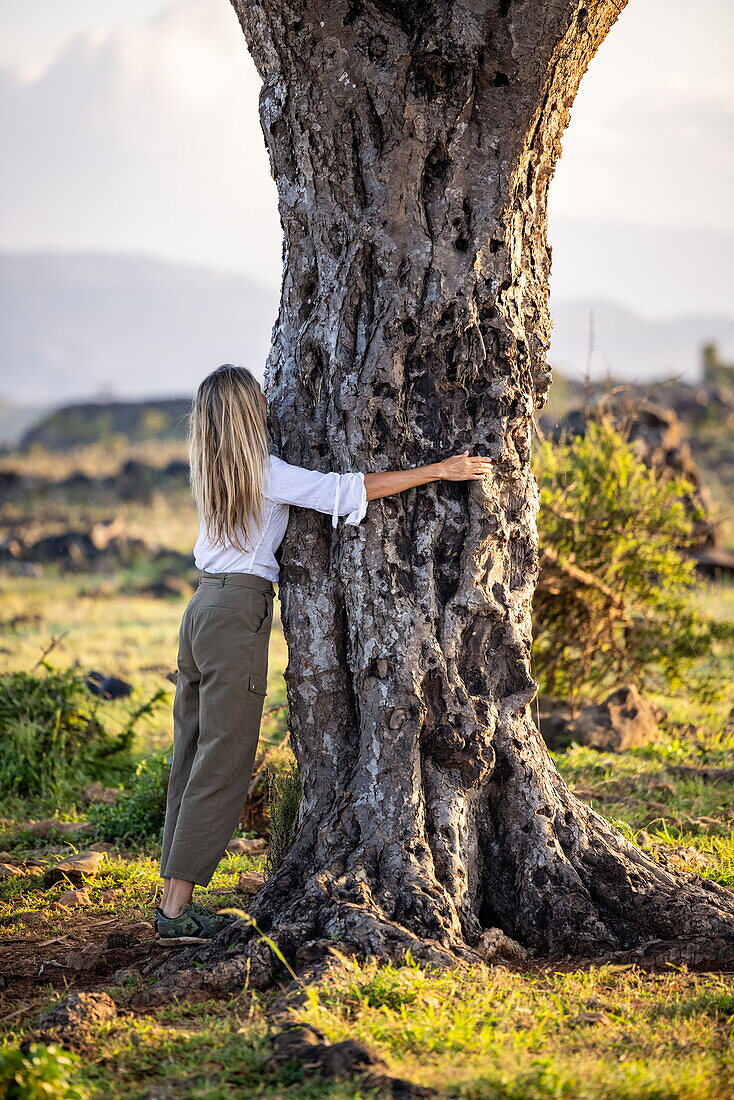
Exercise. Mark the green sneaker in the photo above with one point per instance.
(194, 924)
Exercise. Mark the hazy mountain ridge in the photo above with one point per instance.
(75, 326)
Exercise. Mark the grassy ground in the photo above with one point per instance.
(609, 1032)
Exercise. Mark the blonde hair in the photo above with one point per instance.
(228, 449)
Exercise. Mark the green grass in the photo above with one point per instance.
(130, 636)
(607, 1033)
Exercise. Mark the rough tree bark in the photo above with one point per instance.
(413, 144)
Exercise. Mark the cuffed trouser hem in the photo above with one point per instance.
(187, 876)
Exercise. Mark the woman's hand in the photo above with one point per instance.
(457, 468)
(462, 468)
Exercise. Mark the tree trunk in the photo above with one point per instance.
(413, 143)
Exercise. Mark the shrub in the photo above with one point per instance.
(612, 601)
(36, 1072)
(52, 736)
(284, 792)
(137, 816)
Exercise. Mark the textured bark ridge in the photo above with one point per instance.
(413, 144)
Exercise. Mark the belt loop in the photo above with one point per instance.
(224, 577)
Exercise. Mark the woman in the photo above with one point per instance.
(243, 494)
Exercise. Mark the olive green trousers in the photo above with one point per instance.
(217, 710)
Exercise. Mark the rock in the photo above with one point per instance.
(108, 896)
(302, 1042)
(74, 899)
(714, 562)
(308, 1046)
(88, 958)
(125, 973)
(49, 825)
(623, 721)
(108, 687)
(167, 586)
(250, 882)
(554, 717)
(72, 1018)
(95, 792)
(75, 868)
(123, 939)
(495, 945)
(30, 918)
(583, 1019)
(241, 846)
(7, 870)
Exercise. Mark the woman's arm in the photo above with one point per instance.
(457, 468)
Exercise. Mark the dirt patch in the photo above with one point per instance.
(89, 952)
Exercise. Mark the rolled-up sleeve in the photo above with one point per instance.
(331, 493)
(351, 498)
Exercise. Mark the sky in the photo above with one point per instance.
(131, 125)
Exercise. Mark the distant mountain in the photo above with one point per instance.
(80, 327)
(631, 347)
(659, 271)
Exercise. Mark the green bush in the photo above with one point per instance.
(139, 814)
(613, 598)
(37, 1072)
(284, 797)
(52, 736)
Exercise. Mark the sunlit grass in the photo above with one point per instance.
(608, 1033)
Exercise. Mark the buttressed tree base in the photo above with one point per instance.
(413, 144)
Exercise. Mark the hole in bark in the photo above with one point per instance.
(281, 148)
(377, 48)
(353, 12)
(336, 240)
(431, 74)
(495, 245)
(583, 12)
(500, 79)
(461, 244)
(360, 189)
(521, 560)
(505, 7)
(410, 328)
(438, 164)
(307, 297)
(381, 431)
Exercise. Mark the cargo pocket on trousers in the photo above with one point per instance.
(258, 685)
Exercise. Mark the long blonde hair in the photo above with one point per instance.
(228, 449)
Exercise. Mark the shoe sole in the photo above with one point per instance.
(173, 941)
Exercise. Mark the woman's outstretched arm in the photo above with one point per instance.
(457, 468)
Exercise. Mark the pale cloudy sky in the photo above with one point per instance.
(131, 125)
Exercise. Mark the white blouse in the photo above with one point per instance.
(334, 494)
